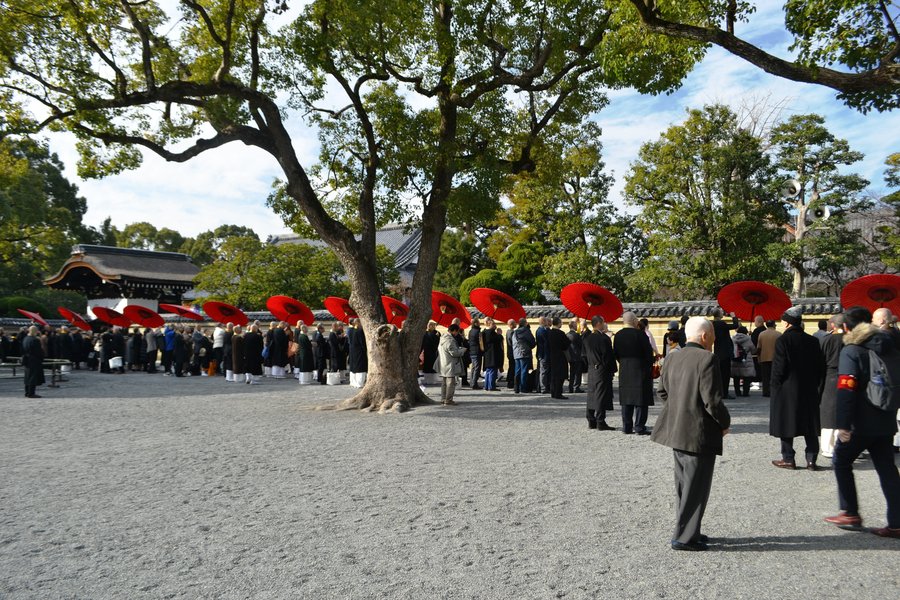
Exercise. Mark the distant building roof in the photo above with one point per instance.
(401, 240)
(106, 271)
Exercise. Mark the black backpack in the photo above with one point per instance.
(883, 390)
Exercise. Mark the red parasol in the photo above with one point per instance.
(285, 308)
(36, 317)
(340, 308)
(749, 299)
(225, 313)
(496, 304)
(873, 292)
(586, 300)
(143, 316)
(74, 318)
(445, 308)
(110, 316)
(395, 311)
(181, 311)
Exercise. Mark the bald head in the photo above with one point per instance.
(882, 318)
(629, 319)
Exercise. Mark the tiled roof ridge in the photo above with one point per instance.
(94, 250)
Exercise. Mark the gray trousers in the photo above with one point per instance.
(544, 383)
(693, 480)
(448, 388)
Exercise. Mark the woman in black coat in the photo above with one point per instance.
(305, 362)
(635, 356)
(430, 348)
(33, 361)
(831, 347)
(239, 355)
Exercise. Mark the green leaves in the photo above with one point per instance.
(707, 207)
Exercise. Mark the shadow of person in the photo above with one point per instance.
(844, 540)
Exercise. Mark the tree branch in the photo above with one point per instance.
(882, 79)
(144, 34)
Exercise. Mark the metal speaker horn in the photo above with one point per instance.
(820, 213)
(791, 188)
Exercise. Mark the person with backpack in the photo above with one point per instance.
(866, 417)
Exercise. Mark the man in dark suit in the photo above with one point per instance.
(693, 422)
(635, 357)
(798, 368)
(601, 361)
(724, 347)
(475, 347)
(557, 345)
(543, 358)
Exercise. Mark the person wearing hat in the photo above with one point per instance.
(798, 369)
(671, 339)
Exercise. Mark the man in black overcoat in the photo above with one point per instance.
(321, 353)
(798, 368)
(33, 361)
(601, 361)
(831, 344)
(475, 346)
(358, 357)
(635, 356)
(724, 347)
(576, 358)
(557, 347)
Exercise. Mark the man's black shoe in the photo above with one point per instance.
(690, 546)
(562, 397)
(602, 426)
(643, 432)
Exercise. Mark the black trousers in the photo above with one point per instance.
(693, 481)
(881, 451)
(725, 369)
(556, 385)
(596, 416)
(634, 418)
(511, 373)
(574, 375)
(765, 376)
(812, 448)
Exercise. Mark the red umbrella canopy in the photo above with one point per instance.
(496, 304)
(585, 300)
(749, 299)
(36, 317)
(143, 316)
(445, 308)
(181, 311)
(289, 310)
(225, 313)
(395, 311)
(110, 316)
(340, 308)
(873, 292)
(74, 318)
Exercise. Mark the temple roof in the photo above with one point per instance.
(402, 241)
(92, 267)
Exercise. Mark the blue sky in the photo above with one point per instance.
(230, 184)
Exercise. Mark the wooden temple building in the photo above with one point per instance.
(116, 277)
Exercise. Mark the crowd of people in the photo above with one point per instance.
(240, 354)
(818, 385)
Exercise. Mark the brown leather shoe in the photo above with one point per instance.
(449, 403)
(784, 464)
(845, 521)
(889, 532)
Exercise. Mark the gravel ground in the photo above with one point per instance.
(144, 486)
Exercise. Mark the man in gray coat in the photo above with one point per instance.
(693, 422)
(449, 364)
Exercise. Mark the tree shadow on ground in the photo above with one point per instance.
(853, 540)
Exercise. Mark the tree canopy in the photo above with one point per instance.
(417, 105)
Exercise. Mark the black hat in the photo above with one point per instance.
(794, 316)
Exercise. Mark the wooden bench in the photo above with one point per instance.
(55, 366)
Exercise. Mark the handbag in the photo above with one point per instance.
(656, 369)
(293, 348)
(265, 352)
